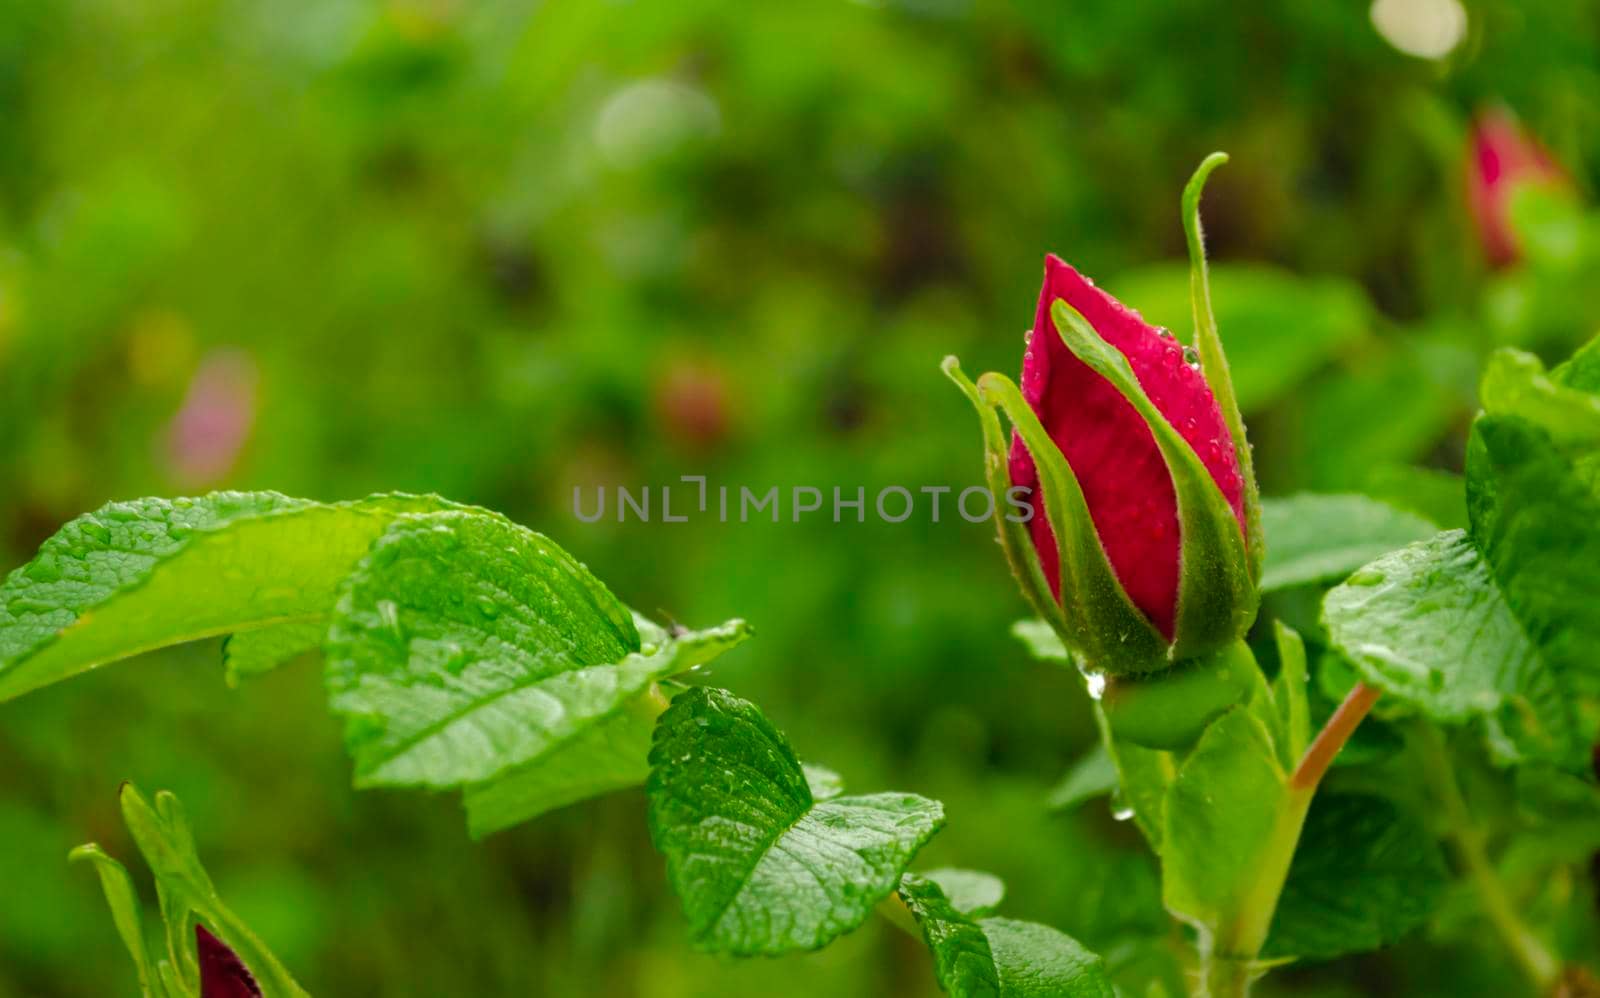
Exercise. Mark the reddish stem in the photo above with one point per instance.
(1319, 755)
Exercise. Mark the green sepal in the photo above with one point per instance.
(124, 903)
(1214, 363)
(1217, 596)
(1101, 622)
(185, 892)
(1170, 710)
(1014, 538)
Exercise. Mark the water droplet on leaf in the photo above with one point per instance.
(96, 531)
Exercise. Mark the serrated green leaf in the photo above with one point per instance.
(971, 892)
(1515, 384)
(605, 757)
(1036, 961)
(1321, 538)
(1100, 621)
(1000, 957)
(124, 904)
(963, 962)
(135, 576)
(253, 653)
(1365, 874)
(1216, 595)
(1428, 625)
(1094, 775)
(465, 646)
(1537, 521)
(760, 865)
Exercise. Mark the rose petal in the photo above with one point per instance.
(1125, 481)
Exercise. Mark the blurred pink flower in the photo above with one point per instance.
(1503, 156)
(205, 438)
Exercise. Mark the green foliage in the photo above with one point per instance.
(1220, 817)
(1364, 875)
(970, 892)
(1430, 627)
(135, 576)
(999, 957)
(491, 250)
(1322, 538)
(761, 866)
(464, 645)
(1494, 622)
(1094, 775)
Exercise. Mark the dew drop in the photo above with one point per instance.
(1096, 683)
(1366, 577)
(96, 531)
(1164, 333)
(456, 662)
(1191, 356)
(1121, 810)
(45, 569)
(488, 607)
(1027, 336)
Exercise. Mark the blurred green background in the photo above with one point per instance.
(497, 251)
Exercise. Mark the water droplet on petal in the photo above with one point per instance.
(1191, 356)
(1164, 333)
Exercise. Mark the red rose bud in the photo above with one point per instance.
(1125, 481)
(222, 974)
(1502, 159)
(1144, 546)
